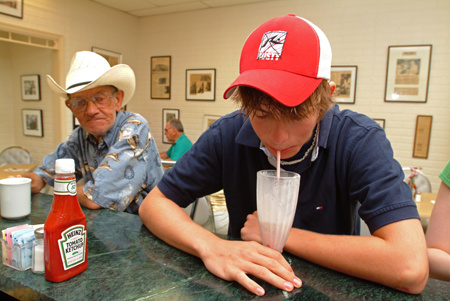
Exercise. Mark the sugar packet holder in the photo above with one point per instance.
(17, 246)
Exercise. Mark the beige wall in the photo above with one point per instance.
(359, 31)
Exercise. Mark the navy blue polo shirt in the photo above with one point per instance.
(354, 165)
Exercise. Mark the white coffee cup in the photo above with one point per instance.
(15, 197)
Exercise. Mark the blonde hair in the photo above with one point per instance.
(251, 100)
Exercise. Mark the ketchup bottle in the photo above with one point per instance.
(65, 236)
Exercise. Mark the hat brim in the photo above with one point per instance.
(287, 88)
(120, 76)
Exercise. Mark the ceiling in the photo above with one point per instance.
(142, 8)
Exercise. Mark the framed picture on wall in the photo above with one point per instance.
(113, 58)
(208, 120)
(381, 122)
(201, 84)
(168, 114)
(160, 85)
(31, 87)
(32, 122)
(408, 73)
(12, 8)
(422, 136)
(345, 79)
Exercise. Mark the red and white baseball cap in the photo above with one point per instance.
(287, 58)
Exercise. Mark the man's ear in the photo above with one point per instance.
(332, 87)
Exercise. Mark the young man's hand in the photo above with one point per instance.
(235, 260)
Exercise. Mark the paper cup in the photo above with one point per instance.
(276, 203)
(15, 198)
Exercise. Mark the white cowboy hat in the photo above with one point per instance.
(89, 70)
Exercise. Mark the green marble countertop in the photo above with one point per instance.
(127, 262)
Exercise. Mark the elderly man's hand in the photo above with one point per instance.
(37, 183)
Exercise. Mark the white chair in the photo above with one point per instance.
(15, 155)
(421, 184)
(200, 210)
(421, 181)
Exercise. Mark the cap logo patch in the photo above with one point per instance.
(272, 44)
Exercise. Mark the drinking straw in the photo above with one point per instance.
(278, 165)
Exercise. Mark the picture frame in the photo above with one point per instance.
(208, 120)
(31, 87)
(32, 122)
(12, 8)
(381, 122)
(160, 77)
(422, 136)
(408, 73)
(113, 58)
(201, 84)
(345, 79)
(168, 114)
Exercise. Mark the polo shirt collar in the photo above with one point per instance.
(247, 135)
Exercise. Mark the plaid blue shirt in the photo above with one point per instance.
(119, 170)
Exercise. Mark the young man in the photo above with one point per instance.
(343, 158)
(174, 132)
(114, 151)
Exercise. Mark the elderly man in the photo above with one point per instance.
(114, 151)
(343, 157)
(174, 132)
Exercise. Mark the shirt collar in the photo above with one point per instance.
(247, 135)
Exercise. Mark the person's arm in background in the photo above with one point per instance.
(438, 236)
(37, 183)
(164, 155)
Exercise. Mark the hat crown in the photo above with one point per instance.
(288, 43)
(85, 67)
(287, 58)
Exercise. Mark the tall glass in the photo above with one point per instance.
(276, 203)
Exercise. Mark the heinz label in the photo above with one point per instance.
(72, 246)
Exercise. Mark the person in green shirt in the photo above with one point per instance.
(174, 132)
(438, 231)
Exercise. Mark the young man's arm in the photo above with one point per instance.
(394, 256)
(438, 236)
(229, 260)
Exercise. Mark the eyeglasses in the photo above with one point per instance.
(100, 100)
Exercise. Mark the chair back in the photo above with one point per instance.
(15, 155)
(421, 181)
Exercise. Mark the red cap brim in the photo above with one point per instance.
(287, 88)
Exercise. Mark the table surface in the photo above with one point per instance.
(127, 262)
(13, 170)
(425, 205)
